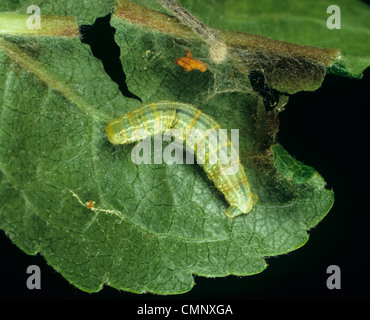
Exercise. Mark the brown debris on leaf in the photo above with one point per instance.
(287, 67)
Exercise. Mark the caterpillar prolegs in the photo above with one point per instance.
(196, 129)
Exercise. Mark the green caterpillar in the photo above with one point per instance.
(183, 119)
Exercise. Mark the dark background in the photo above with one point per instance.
(327, 129)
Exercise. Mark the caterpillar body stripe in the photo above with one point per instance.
(181, 118)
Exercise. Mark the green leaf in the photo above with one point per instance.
(152, 227)
(302, 22)
(84, 13)
(286, 67)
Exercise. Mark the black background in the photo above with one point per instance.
(327, 129)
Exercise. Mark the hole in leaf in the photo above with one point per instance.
(270, 96)
(100, 37)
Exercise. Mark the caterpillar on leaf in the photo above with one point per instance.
(196, 129)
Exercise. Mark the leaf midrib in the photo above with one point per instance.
(34, 67)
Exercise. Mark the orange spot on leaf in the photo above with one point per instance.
(190, 64)
(90, 205)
